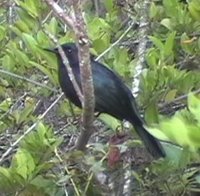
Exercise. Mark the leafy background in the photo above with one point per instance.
(42, 163)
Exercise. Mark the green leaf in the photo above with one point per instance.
(22, 26)
(194, 9)
(100, 44)
(175, 127)
(171, 8)
(15, 30)
(5, 104)
(97, 167)
(41, 131)
(21, 57)
(49, 187)
(8, 62)
(174, 153)
(153, 10)
(42, 39)
(23, 163)
(151, 113)
(49, 57)
(194, 136)
(52, 27)
(10, 181)
(121, 60)
(30, 42)
(188, 47)
(5, 173)
(44, 70)
(169, 44)
(26, 18)
(166, 22)
(158, 133)
(26, 112)
(194, 106)
(110, 121)
(97, 28)
(31, 7)
(152, 57)
(158, 43)
(109, 5)
(2, 32)
(6, 179)
(170, 95)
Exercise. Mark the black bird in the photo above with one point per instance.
(112, 96)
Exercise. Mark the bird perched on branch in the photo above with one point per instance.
(112, 96)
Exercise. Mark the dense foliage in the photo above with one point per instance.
(35, 143)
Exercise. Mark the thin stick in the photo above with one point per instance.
(65, 62)
(114, 44)
(30, 128)
(26, 79)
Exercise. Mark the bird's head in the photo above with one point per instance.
(70, 50)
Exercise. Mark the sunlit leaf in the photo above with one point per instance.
(23, 163)
(194, 106)
(170, 95)
(167, 23)
(110, 121)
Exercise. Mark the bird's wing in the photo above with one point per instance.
(110, 92)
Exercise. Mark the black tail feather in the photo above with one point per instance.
(152, 144)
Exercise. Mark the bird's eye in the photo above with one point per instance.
(69, 50)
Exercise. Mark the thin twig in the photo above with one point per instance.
(96, 6)
(26, 79)
(68, 173)
(30, 128)
(185, 96)
(87, 99)
(59, 12)
(86, 76)
(115, 43)
(65, 62)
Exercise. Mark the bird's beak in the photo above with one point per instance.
(53, 50)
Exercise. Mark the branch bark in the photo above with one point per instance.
(88, 101)
(86, 76)
(142, 46)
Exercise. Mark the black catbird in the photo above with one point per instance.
(112, 96)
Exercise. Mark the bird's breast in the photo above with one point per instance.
(67, 86)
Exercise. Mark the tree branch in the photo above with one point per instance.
(86, 76)
(60, 13)
(88, 100)
(141, 51)
(65, 62)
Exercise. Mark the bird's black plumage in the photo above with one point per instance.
(112, 96)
